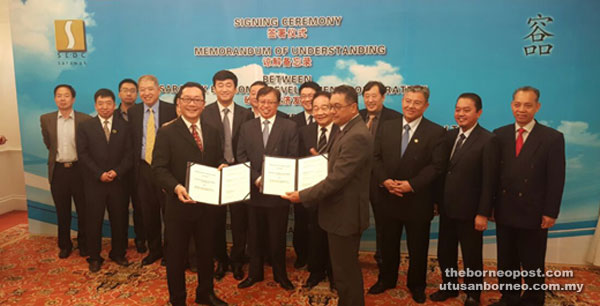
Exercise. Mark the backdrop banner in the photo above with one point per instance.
(487, 47)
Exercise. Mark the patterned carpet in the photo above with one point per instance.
(32, 274)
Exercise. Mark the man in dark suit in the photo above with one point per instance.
(373, 115)
(188, 139)
(59, 130)
(145, 119)
(343, 195)
(532, 178)
(469, 186)
(104, 148)
(128, 94)
(273, 136)
(254, 88)
(303, 118)
(227, 118)
(317, 138)
(408, 160)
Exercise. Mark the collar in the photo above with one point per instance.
(154, 107)
(528, 127)
(71, 115)
(189, 124)
(468, 132)
(222, 107)
(344, 125)
(413, 125)
(328, 127)
(110, 120)
(271, 120)
(306, 116)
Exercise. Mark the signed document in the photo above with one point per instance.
(210, 186)
(281, 175)
(311, 170)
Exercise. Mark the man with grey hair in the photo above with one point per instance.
(409, 175)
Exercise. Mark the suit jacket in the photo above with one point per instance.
(173, 149)
(166, 113)
(386, 114)
(309, 135)
(282, 142)
(471, 177)
(344, 194)
(48, 123)
(211, 116)
(530, 185)
(299, 119)
(99, 156)
(422, 164)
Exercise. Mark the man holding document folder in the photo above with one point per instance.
(273, 136)
(188, 140)
(343, 195)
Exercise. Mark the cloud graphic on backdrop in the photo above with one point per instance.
(576, 132)
(32, 24)
(352, 73)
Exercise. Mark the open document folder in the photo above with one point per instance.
(281, 175)
(210, 186)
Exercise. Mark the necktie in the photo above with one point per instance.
(519, 144)
(322, 140)
(310, 119)
(106, 130)
(265, 132)
(405, 139)
(150, 136)
(228, 149)
(197, 137)
(459, 144)
(370, 123)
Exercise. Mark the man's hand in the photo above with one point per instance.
(183, 195)
(314, 152)
(105, 178)
(436, 209)
(112, 175)
(258, 182)
(2, 139)
(481, 223)
(392, 187)
(221, 166)
(548, 222)
(404, 187)
(293, 196)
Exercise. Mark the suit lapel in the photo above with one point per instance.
(185, 133)
(274, 136)
(531, 144)
(415, 141)
(313, 133)
(334, 131)
(468, 143)
(238, 117)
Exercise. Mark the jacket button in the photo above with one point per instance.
(520, 194)
(449, 172)
(503, 191)
(525, 180)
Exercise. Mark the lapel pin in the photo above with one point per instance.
(114, 131)
(416, 140)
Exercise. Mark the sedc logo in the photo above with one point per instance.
(70, 35)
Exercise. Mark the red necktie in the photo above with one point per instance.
(519, 144)
(197, 137)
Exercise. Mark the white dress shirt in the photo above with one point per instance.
(413, 126)
(528, 127)
(65, 137)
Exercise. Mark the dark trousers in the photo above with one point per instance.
(417, 237)
(377, 211)
(132, 197)
(152, 201)
(521, 248)
(67, 184)
(201, 230)
(111, 198)
(318, 247)
(346, 269)
(239, 232)
(221, 235)
(274, 220)
(301, 236)
(452, 231)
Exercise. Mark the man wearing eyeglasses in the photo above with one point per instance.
(409, 158)
(227, 117)
(254, 88)
(343, 209)
(145, 119)
(188, 139)
(128, 95)
(374, 114)
(274, 136)
(316, 138)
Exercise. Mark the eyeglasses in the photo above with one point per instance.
(304, 97)
(324, 108)
(188, 100)
(337, 107)
(268, 102)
